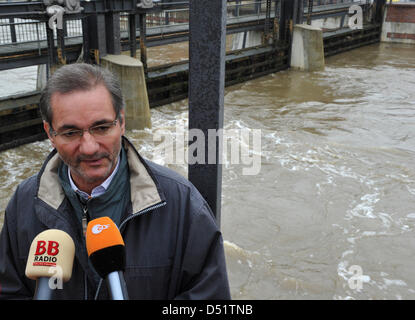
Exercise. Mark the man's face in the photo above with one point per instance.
(91, 158)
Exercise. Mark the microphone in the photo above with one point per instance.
(105, 247)
(50, 260)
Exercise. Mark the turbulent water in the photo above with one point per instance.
(331, 212)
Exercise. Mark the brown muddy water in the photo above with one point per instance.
(331, 212)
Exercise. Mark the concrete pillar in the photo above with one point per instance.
(130, 71)
(41, 77)
(307, 52)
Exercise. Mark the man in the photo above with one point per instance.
(174, 249)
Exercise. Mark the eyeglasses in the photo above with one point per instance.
(99, 130)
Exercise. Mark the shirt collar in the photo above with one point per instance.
(97, 191)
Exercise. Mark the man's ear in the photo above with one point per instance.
(46, 127)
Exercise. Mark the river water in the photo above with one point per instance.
(331, 212)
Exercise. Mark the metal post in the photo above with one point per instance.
(95, 34)
(143, 45)
(166, 18)
(12, 30)
(286, 24)
(286, 20)
(237, 5)
(282, 22)
(258, 7)
(300, 12)
(277, 17)
(51, 50)
(267, 27)
(379, 9)
(38, 38)
(295, 14)
(60, 36)
(112, 24)
(65, 27)
(206, 95)
(85, 40)
(60, 40)
(133, 35)
(310, 11)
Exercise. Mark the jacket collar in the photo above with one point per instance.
(145, 190)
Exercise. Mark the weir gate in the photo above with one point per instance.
(92, 29)
(57, 32)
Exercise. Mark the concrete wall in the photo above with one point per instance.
(307, 53)
(399, 23)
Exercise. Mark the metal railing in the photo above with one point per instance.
(19, 31)
(327, 2)
(14, 30)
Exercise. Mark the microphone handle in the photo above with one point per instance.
(42, 291)
(117, 286)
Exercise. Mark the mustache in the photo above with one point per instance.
(95, 156)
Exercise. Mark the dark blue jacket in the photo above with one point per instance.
(174, 249)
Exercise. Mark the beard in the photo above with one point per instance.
(91, 174)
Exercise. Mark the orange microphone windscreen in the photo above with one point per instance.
(105, 246)
(51, 250)
(102, 233)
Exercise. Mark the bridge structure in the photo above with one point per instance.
(99, 27)
(57, 32)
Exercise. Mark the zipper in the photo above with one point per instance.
(84, 205)
(156, 206)
(84, 227)
(84, 221)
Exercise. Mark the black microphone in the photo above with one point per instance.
(50, 262)
(105, 247)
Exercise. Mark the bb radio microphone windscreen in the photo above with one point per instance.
(105, 246)
(50, 259)
(50, 248)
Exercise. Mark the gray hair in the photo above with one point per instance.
(83, 77)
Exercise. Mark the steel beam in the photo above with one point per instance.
(33, 9)
(96, 35)
(287, 12)
(207, 28)
(86, 41)
(132, 35)
(51, 50)
(101, 38)
(143, 41)
(112, 30)
(379, 9)
(309, 11)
